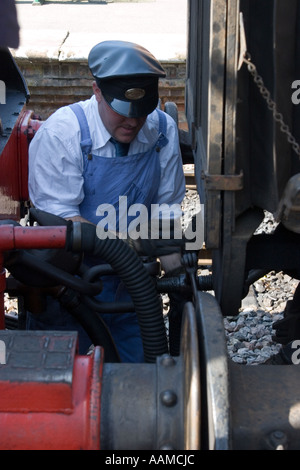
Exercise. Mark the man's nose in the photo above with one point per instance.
(132, 122)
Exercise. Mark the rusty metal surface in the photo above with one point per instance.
(223, 182)
(243, 160)
(231, 128)
(205, 100)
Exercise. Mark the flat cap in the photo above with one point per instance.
(127, 75)
(114, 59)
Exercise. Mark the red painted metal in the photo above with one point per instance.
(54, 415)
(9, 191)
(14, 165)
(12, 237)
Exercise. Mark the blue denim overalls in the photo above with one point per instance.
(106, 179)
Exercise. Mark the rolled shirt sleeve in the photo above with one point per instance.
(55, 181)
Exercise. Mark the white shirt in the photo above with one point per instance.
(55, 180)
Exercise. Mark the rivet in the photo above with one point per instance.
(168, 398)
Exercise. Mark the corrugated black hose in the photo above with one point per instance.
(124, 261)
(82, 237)
(136, 279)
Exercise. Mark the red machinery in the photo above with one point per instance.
(17, 127)
(50, 397)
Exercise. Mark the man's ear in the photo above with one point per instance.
(97, 92)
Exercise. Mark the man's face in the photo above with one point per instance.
(122, 128)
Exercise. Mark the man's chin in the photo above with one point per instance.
(125, 137)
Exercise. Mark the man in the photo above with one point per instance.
(74, 167)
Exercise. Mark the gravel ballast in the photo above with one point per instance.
(249, 334)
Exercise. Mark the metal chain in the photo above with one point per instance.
(278, 117)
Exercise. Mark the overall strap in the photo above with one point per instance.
(162, 129)
(86, 141)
